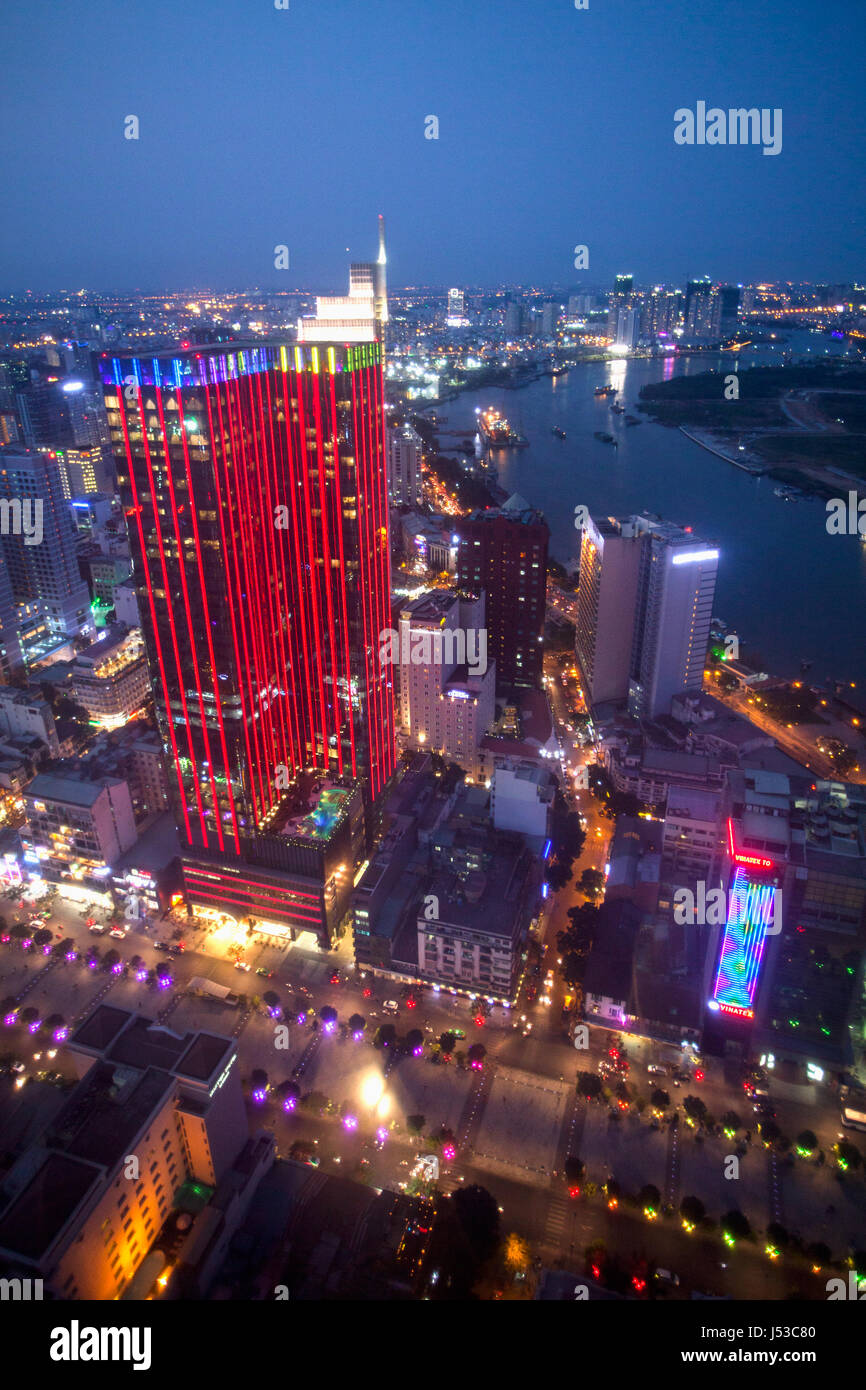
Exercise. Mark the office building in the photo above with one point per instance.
(44, 572)
(446, 683)
(255, 481)
(698, 311)
(521, 800)
(503, 551)
(456, 308)
(404, 467)
(644, 610)
(676, 586)
(26, 714)
(725, 311)
(606, 599)
(360, 316)
(83, 471)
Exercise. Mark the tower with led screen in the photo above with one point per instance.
(750, 917)
(254, 482)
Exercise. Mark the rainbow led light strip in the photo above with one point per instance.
(751, 908)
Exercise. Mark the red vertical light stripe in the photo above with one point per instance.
(242, 667)
(328, 572)
(303, 385)
(207, 618)
(190, 635)
(279, 577)
(170, 608)
(254, 682)
(252, 489)
(156, 637)
(338, 507)
(303, 667)
(281, 545)
(363, 573)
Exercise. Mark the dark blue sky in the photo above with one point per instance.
(261, 126)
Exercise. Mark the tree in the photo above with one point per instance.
(660, 1100)
(778, 1235)
(735, 1225)
(288, 1090)
(695, 1108)
(649, 1198)
(446, 1043)
(574, 1169)
(112, 958)
(386, 1036)
(558, 875)
(588, 1085)
(62, 948)
(846, 1154)
(414, 1039)
(807, 1141)
(769, 1131)
(592, 883)
(259, 1079)
(478, 1214)
(477, 1053)
(271, 999)
(415, 1123)
(692, 1210)
(357, 1024)
(819, 1253)
(731, 1122)
(28, 1016)
(328, 1015)
(41, 937)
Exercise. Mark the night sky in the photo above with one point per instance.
(261, 126)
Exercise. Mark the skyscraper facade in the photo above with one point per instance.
(644, 610)
(254, 481)
(404, 466)
(45, 572)
(504, 552)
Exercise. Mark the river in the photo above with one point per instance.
(791, 591)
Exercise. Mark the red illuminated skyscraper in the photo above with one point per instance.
(254, 481)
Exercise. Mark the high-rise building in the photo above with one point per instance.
(358, 317)
(404, 466)
(456, 307)
(83, 471)
(698, 311)
(644, 610)
(606, 598)
(514, 319)
(726, 311)
(549, 319)
(621, 298)
(504, 552)
(660, 314)
(255, 485)
(676, 586)
(44, 571)
(447, 686)
(627, 328)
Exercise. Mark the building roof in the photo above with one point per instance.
(47, 786)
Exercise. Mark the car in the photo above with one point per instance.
(117, 933)
(391, 1006)
(458, 1032)
(665, 1277)
(160, 945)
(242, 965)
(655, 1070)
(334, 978)
(267, 974)
(97, 928)
(17, 1067)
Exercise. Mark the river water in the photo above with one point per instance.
(791, 591)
